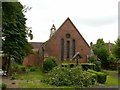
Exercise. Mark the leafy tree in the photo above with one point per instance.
(116, 49)
(101, 50)
(15, 44)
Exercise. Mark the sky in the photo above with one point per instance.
(93, 18)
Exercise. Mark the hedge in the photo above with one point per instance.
(101, 77)
(87, 66)
(68, 64)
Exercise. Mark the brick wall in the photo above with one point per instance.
(53, 47)
(32, 59)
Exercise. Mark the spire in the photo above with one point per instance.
(52, 30)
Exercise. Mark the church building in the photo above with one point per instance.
(63, 44)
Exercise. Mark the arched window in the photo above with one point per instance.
(73, 47)
(68, 50)
(62, 49)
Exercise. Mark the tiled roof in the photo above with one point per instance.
(36, 45)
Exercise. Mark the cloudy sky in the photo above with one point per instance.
(93, 18)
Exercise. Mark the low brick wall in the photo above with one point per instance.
(32, 59)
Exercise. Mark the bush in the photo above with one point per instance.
(32, 69)
(62, 76)
(91, 59)
(21, 68)
(97, 66)
(14, 76)
(49, 63)
(3, 85)
(18, 68)
(14, 67)
(101, 77)
(94, 78)
(87, 66)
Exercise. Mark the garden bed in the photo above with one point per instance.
(33, 80)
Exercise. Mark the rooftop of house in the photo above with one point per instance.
(36, 45)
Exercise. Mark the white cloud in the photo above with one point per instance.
(93, 18)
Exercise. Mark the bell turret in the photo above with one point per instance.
(52, 30)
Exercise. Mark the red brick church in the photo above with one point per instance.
(63, 44)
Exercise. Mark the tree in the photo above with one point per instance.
(116, 49)
(101, 50)
(15, 44)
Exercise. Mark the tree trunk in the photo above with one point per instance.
(8, 65)
(4, 62)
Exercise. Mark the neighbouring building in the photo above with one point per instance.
(63, 44)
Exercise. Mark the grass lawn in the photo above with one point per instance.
(112, 78)
(111, 81)
(33, 80)
(35, 75)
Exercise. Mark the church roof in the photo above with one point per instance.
(68, 19)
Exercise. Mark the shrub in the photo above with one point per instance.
(49, 63)
(14, 67)
(101, 77)
(91, 59)
(18, 68)
(87, 66)
(3, 86)
(62, 76)
(94, 78)
(21, 68)
(14, 76)
(97, 66)
(32, 69)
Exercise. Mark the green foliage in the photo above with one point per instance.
(116, 48)
(91, 59)
(97, 67)
(18, 68)
(94, 78)
(31, 68)
(3, 85)
(112, 59)
(111, 81)
(68, 65)
(101, 77)
(49, 63)
(86, 66)
(101, 50)
(14, 76)
(62, 76)
(15, 44)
